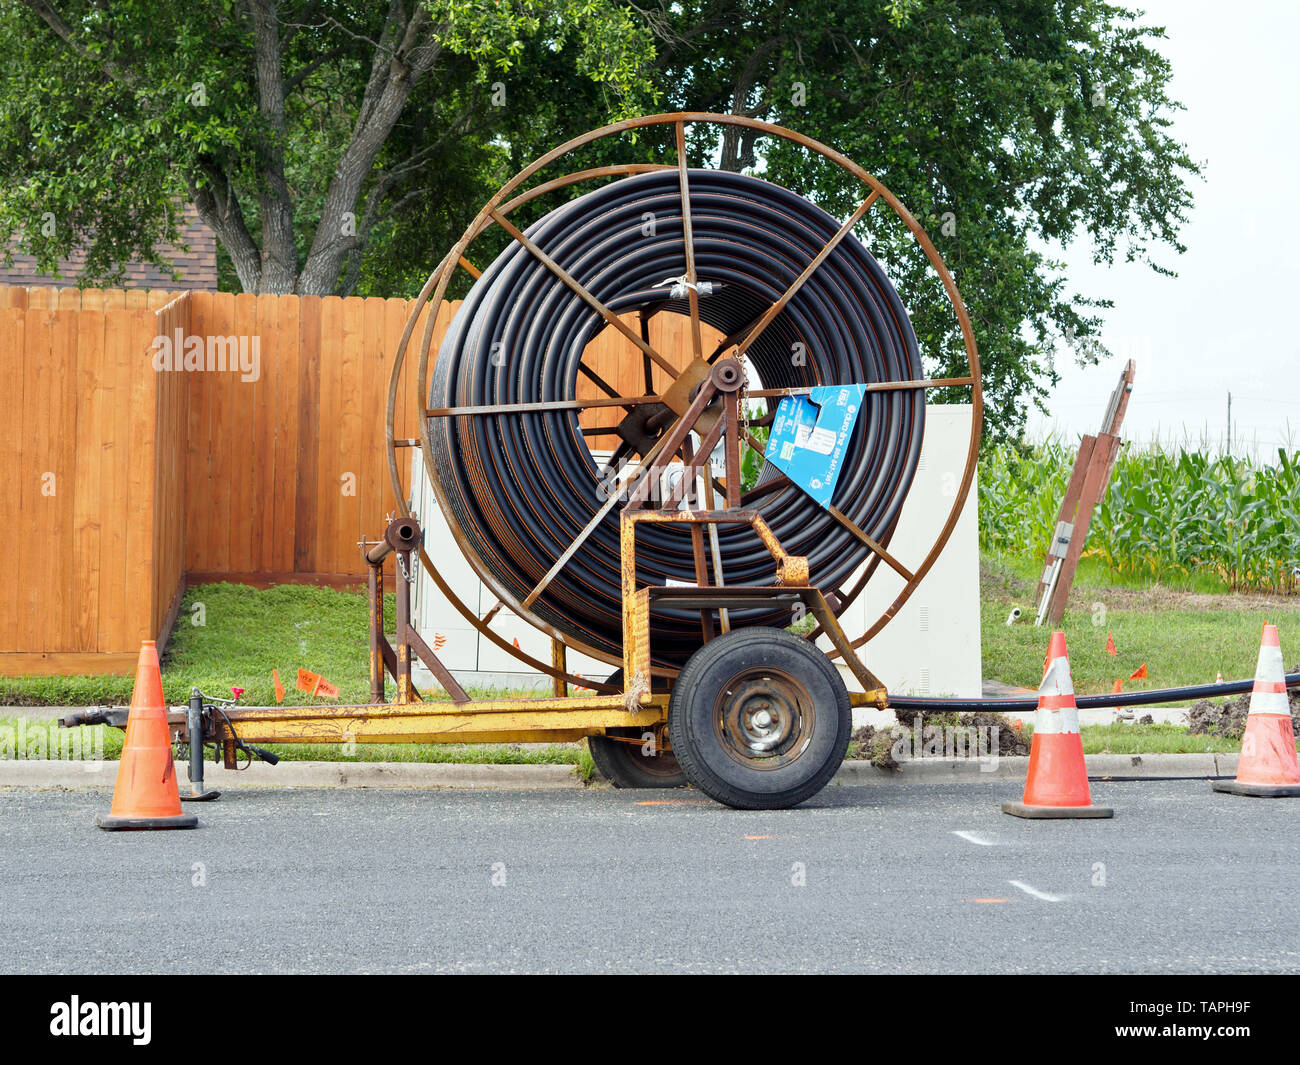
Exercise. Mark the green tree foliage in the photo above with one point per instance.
(343, 148)
(1006, 128)
(295, 129)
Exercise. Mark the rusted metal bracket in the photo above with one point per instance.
(792, 586)
(402, 538)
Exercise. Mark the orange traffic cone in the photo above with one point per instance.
(1267, 767)
(1057, 782)
(146, 795)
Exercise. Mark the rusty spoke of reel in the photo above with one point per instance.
(540, 407)
(880, 386)
(637, 475)
(582, 292)
(809, 270)
(646, 364)
(878, 549)
(688, 241)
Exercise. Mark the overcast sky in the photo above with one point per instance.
(1231, 319)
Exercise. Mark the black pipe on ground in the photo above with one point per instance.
(1084, 702)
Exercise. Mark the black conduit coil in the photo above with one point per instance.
(1085, 702)
(520, 488)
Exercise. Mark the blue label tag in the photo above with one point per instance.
(810, 435)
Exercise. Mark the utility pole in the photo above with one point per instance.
(1229, 423)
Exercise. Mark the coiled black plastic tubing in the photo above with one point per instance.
(520, 488)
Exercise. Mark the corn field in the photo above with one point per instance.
(1166, 514)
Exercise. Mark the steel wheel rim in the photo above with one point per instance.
(764, 719)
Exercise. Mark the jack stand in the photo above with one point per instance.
(194, 724)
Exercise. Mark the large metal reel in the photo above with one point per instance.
(496, 212)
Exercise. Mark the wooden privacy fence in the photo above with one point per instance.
(121, 482)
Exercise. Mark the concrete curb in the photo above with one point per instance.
(55, 774)
(70, 774)
(1100, 767)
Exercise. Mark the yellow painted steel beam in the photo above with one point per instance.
(875, 697)
(444, 709)
(462, 724)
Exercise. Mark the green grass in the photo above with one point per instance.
(1180, 641)
(1182, 637)
(1094, 573)
(246, 632)
(1121, 738)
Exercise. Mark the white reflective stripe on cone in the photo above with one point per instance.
(1269, 668)
(1270, 703)
(1056, 722)
(1057, 679)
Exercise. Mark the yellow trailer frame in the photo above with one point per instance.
(563, 717)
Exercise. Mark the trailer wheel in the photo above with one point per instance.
(625, 765)
(759, 719)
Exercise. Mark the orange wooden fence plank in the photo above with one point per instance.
(198, 453)
(282, 504)
(306, 520)
(38, 509)
(264, 396)
(395, 314)
(353, 428)
(89, 501)
(112, 449)
(141, 456)
(373, 474)
(219, 322)
(12, 443)
(242, 516)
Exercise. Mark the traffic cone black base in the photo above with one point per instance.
(109, 823)
(1259, 791)
(203, 796)
(1043, 813)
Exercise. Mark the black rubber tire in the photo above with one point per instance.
(623, 764)
(715, 766)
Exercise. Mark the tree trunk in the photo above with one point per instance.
(391, 82)
(279, 267)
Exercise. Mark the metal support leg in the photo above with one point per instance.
(375, 587)
(560, 660)
(194, 725)
(403, 623)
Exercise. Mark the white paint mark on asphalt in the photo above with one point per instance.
(976, 838)
(1029, 890)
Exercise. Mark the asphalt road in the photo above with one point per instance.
(918, 878)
